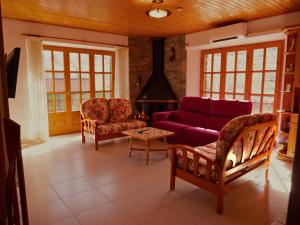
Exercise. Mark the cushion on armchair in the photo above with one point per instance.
(120, 109)
(95, 109)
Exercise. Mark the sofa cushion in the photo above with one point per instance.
(190, 118)
(172, 126)
(109, 128)
(120, 109)
(197, 136)
(95, 109)
(132, 124)
(215, 122)
(195, 104)
(229, 108)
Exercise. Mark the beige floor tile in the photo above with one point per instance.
(108, 214)
(48, 213)
(85, 200)
(36, 183)
(69, 221)
(137, 204)
(59, 176)
(40, 196)
(163, 216)
(70, 187)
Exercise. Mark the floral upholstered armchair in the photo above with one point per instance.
(244, 143)
(106, 119)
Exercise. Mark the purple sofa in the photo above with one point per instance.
(199, 120)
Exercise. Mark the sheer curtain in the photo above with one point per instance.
(122, 73)
(37, 91)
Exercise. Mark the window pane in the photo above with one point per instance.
(228, 96)
(258, 59)
(60, 103)
(207, 82)
(229, 82)
(49, 82)
(268, 104)
(240, 83)
(256, 83)
(217, 62)
(74, 61)
(47, 60)
(207, 94)
(239, 97)
(99, 95)
(107, 81)
(50, 102)
(98, 63)
(230, 61)
(208, 59)
(216, 82)
(84, 62)
(269, 86)
(271, 58)
(85, 96)
(98, 82)
(85, 81)
(75, 82)
(75, 101)
(215, 96)
(107, 63)
(58, 60)
(107, 94)
(256, 104)
(241, 60)
(59, 82)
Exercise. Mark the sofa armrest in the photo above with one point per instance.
(89, 125)
(160, 116)
(185, 150)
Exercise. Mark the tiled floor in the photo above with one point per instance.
(68, 183)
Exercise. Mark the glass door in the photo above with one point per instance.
(73, 76)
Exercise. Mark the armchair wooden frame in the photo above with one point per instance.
(260, 153)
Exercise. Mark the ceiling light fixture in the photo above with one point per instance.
(158, 12)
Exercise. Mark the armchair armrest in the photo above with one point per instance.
(160, 116)
(196, 156)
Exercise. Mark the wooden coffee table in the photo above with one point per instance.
(147, 134)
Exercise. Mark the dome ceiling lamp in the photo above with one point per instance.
(158, 12)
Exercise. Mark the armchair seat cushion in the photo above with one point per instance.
(209, 151)
(132, 124)
(109, 128)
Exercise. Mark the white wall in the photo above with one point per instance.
(13, 30)
(261, 30)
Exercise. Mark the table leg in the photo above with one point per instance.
(166, 146)
(130, 146)
(147, 150)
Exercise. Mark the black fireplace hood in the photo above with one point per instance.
(157, 87)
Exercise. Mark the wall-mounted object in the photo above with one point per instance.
(172, 56)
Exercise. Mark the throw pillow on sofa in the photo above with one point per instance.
(95, 109)
(119, 109)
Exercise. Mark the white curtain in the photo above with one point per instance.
(37, 91)
(122, 73)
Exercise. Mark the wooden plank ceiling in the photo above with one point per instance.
(128, 17)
